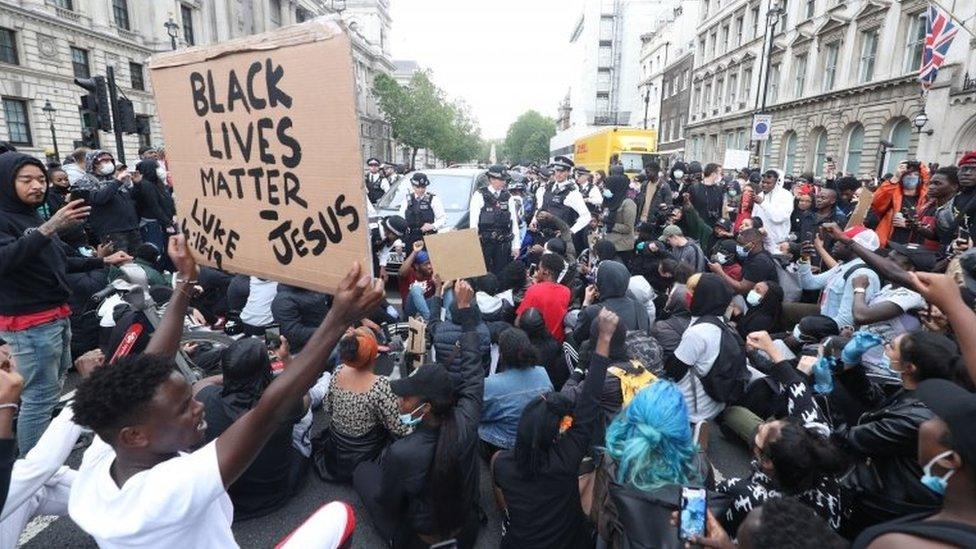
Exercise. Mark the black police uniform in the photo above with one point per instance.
(419, 212)
(374, 189)
(555, 203)
(495, 230)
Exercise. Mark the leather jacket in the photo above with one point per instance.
(885, 442)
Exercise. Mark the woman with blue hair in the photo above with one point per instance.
(650, 454)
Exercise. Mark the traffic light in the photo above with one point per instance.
(96, 101)
(127, 116)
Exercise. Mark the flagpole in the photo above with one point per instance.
(954, 17)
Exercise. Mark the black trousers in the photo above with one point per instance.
(498, 254)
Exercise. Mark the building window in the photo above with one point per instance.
(603, 80)
(901, 133)
(701, 46)
(79, 62)
(746, 84)
(869, 50)
(145, 137)
(120, 9)
(719, 88)
(755, 20)
(772, 83)
(606, 29)
(685, 79)
(705, 9)
(740, 22)
(741, 138)
(18, 125)
(811, 7)
(713, 37)
(916, 43)
(8, 47)
(733, 89)
(730, 141)
(725, 39)
(830, 65)
(681, 125)
(767, 152)
(789, 153)
(602, 105)
(855, 146)
(65, 4)
(801, 75)
(136, 76)
(186, 13)
(784, 17)
(820, 153)
(274, 7)
(708, 97)
(604, 56)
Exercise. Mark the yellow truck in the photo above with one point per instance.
(633, 147)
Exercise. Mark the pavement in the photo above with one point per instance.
(728, 457)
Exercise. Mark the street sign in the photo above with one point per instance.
(761, 125)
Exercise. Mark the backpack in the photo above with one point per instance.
(644, 348)
(726, 380)
(633, 377)
(792, 292)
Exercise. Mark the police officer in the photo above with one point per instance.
(376, 183)
(592, 193)
(423, 211)
(562, 199)
(493, 212)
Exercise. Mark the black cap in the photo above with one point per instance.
(957, 407)
(430, 382)
(563, 163)
(419, 179)
(725, 224)
(497, 171)
(373, 162)
(923, 260)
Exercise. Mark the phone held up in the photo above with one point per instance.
(272, 338)
(693, 512)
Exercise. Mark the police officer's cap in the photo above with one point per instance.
(497, 171)
(419, 179)
(396, 225)
(562, 163)
(373, 162)
(582, 170)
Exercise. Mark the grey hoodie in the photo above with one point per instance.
(112, 202)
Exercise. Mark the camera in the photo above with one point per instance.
(913, 165)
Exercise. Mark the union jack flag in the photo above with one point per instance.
(939, 32)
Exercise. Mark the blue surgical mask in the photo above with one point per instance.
(409, 420)
(753, 298)
(909, 181)
(932, 482)
(741, 251)
(607, 193)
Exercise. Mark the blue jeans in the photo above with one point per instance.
(416, 304)
(42, 355)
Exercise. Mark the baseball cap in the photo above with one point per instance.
(422, 257)
(922, 259)
(670, 230)
(864, 236)
(429, 382)
(957, 407)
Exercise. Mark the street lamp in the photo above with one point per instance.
(172, 28)
(49, 111)
(647, 103)
(920, 120)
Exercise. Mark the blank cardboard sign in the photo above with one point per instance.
(262, 138)
(456, 254)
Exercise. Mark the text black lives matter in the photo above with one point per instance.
(259, 176)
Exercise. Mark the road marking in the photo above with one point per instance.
(35, 527)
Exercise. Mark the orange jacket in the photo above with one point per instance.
(887, 202)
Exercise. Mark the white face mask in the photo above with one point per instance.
(106, 168)
(753, 298)
(161, 173)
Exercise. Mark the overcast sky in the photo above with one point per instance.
(503, 57)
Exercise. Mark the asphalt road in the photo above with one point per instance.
(729, 458)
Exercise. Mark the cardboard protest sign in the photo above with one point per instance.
(262, 138)
(417, 338)
(456, 254)
(861, 210)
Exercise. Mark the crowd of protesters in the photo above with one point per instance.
(824, 322)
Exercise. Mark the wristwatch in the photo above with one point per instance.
(860, 290)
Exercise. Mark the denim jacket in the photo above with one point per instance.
(506, 395)
(838, 293)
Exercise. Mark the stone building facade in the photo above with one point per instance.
(45, 44)
(676, 82)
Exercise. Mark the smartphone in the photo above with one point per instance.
(272, 337)
(82, 194)
(963, 234)
(693, 512)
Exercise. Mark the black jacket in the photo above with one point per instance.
(888, 437)
(153, 198)
(113, 204)
(33, 268)
(407, 462)
(299, 312)
(612, 280)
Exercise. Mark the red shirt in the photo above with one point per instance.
(552, 300)
(408, 278)
(22, 322)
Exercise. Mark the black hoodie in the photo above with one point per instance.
(612, 280)
(153, 198)
(33, 267)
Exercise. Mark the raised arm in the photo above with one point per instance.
(942, 291)
(237, 447)
(166, 339)
(885, 267)
(472, 380)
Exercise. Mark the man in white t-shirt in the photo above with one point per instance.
(137, 486)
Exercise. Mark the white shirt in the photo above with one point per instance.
(257, 310)
(378, 176)
(907, 300)
(573, 200)
(699, 348)
(478, 202)
(440, 216)
(775, 211)
(180, 503)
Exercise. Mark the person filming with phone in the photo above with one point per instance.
(897, 201)
(110, 193)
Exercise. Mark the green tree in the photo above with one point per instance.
(462, 142)
(418, 114)
(527, 140)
